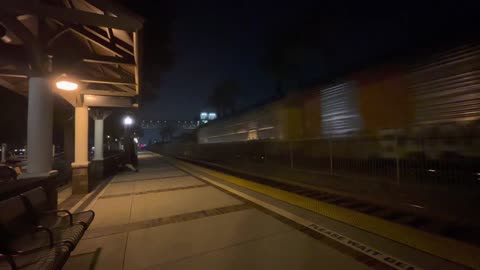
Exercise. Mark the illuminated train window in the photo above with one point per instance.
(252, 135)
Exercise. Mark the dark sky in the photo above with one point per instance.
(210, 41)
(213, 41)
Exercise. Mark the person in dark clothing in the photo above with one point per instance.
(131, 155)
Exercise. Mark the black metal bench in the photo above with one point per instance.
(31, 237)
(37, 203)
(45, 258)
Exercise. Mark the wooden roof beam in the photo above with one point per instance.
(119, 72)
(106, 81)
(110, 60)
(137, 48)
(79, 30)
(12, 74)
(116, 9)
(71, 15)
(107, 93)
(7, 84)
(31, 43)
(114, 40)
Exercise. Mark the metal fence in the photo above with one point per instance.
(443, 161)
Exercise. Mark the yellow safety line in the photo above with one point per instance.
(440, 246)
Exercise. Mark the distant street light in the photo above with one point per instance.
(127, 121)
(212, 116)
(66, 83)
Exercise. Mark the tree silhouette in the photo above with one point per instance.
(223, 98)
(284, 59)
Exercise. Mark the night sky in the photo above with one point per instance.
(191, 46)
(212, 41)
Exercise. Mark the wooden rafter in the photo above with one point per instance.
(113, 40)
(137, 50)
(7, 84)
(31, 43)
(110, 60)
(120, 88)
(120, 72)
(107, 93)
(71, 15)
(13, 74)
(106, 81)
(64, 29)
(116, 9)
(79, 30)
(101, 70)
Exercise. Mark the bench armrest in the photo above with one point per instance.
(49, 232)
(10, 261)
(13, 253)
(70, 216)
(85, 225)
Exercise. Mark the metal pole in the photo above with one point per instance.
(397, 160)
(330, 153)
(4, 152)
(291, 154)
(264, 152)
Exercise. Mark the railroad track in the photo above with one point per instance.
(463, 232)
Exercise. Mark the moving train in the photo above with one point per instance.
(429, 108)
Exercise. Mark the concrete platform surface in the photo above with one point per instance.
(165, 218)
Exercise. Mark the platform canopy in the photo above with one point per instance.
(94, 42)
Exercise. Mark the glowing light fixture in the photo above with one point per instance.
(67, 86)
(65, 83)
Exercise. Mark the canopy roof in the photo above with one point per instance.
(96, 42)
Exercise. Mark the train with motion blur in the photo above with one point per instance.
(431, 108)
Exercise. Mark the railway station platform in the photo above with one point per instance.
(175, 215)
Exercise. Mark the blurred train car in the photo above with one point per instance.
(445, 93)
(280, 120)
(430, 110)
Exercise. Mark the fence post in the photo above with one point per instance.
(264, 152)
(330, 154)
(291, 154)
(4, 152)
(397, 160)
